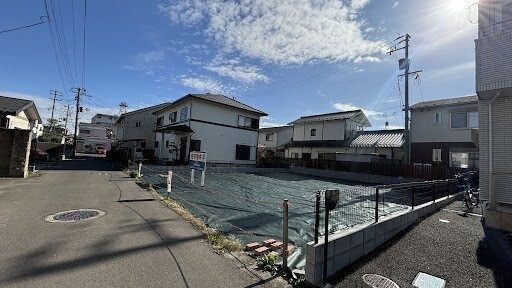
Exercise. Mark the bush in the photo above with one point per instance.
(268, 263)
(133, 173)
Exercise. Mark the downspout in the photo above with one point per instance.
(491, 188)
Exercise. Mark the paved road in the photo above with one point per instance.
(137, 243)
(458, 249)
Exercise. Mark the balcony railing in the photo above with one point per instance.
(495, 28)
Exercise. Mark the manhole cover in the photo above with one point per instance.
(75, 215)
(377, 281)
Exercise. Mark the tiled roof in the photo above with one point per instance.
(445, 102)
(379, 139)
(326, 117)
(159, 106)
(11, 105)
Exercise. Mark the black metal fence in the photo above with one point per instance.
(359, 205)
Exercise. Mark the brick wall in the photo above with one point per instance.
(14, 152)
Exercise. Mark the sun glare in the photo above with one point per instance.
(457, 5)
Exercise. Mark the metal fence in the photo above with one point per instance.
(359, 205)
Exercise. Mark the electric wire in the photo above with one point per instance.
(83, 47)
(27, 26)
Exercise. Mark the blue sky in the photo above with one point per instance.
(286, 59)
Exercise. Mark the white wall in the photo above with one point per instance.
(20, 121)
(126, 129)
(281, 136)
(423, 129)
(329, 130)
(212, 112)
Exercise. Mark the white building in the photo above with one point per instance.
(104, 119)
(135, 128)
(91, 135)
(442, 132)
(223, 127)
(20, 114)
(324, 133)
(275, 138)
(494, 90)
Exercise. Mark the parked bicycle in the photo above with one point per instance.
(468, 183)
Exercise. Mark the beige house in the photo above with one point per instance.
(18, 114)
(494, 89)
(275, 138)
(442, 132)
(221, 126)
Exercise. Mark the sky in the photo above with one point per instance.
(286, 58)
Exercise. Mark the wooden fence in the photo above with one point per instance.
(426, 172)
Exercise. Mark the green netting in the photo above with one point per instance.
(249, 206)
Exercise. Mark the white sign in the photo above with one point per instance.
(197, 161)
(169, 181)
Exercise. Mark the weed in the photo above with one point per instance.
(133, 173)
(268, 263)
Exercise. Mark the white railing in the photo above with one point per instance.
(495, 28)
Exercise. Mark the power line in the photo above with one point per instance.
(28, 26)
(83, 49)
(74, 39)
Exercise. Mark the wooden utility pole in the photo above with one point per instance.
(79, 92)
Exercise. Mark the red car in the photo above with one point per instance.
(101, 150)
(38, 155)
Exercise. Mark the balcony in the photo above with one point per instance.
(493, 50)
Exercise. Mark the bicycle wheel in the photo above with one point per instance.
(474, 200)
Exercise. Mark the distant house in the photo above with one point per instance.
(325, 133)
(92, 135)
(135, 128)
(223, 127)
(19, 113)
(275, 138)
(104, 119)
(441, 132)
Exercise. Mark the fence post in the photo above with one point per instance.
(412, 197)
(434, 192)
(326, 245)
(285, 235)
(140, 168)
(317, 215)
(376, 205)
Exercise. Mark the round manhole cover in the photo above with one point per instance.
(75, 215)
(377, 281)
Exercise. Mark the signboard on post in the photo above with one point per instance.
(169, 182)
(197, 161)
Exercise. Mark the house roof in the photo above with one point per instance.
(216, 98)
(379, 139)
(13, 106)
(140, 110)
(473, 99)
(276, 128)
(330, 117)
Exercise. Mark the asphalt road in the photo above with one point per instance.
(448, 245)
(137, 243)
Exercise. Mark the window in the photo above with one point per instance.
(464, 120)
(313, 132)
(85, 131)
(159, 121)
(143, 144)
(195, 145)
(156, 144)
(269, 137)
(306, 156)
(184, 114)
(436, 155)
(436, 118)
(138, 124)
(173, 116)
(248, 122)
(4, 122)
(243, 152)
(295, 155)
(166, 143)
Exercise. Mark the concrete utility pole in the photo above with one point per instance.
(79, 92)
(405, 65)
(65, 132)
(54, 98)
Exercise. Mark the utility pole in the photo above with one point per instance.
(79, 92)
(65, 132)
(404, 64)
(54, 98)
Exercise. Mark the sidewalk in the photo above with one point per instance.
(139, 242)
(458, 249)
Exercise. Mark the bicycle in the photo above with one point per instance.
(470, 189)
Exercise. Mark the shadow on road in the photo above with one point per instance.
(82, 162)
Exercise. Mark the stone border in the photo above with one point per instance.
(50, 218)
(347, 246)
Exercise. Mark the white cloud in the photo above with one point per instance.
(246, 74)
(349, 107)
(267, 121)
(205, 84)
(147, 62)
(451, 70)
(396, 4)
(391, 127)
(366, 59)
(280, 31)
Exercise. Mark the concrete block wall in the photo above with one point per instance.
(15, 152)
(345, 247)
(352, 176)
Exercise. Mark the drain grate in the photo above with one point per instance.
(377, 281)
(75, 215)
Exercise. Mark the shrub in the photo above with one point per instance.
(268, 263)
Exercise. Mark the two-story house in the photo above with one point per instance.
(275, 139)
(493, 55)
(19, 114)
(92, 135)
(221, 126)
(442, 132)
(325, 133)
(135, 128)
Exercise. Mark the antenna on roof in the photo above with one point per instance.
(122, 107)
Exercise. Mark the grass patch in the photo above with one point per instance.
(145, 185)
